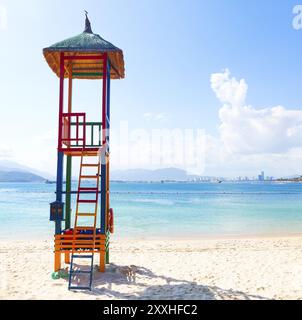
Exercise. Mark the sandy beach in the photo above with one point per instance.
(260, 268)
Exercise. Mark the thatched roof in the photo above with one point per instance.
(84, 44)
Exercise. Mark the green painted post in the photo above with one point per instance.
(107, 247)
(107, 256)
(68, 190)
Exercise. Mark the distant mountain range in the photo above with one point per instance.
(14, 172)
(19, 176)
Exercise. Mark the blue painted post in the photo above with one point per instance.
(103, 195)
(59, 188)
(108, 149)
(104, 140)
(108, 99)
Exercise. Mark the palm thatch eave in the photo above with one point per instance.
(86, 43)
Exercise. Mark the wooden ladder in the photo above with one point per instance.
(87, 244)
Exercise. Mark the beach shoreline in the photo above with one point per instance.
(167, 237)
(203, 269)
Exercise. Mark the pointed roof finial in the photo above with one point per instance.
(87, 24)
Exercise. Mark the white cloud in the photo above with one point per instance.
(247, 130)
(228, 90)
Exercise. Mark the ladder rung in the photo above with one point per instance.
(89, 177)
(87, 201)
(83, 214)
(87, 189)
(79, 288)
(80, 271)
(90, 165)
(78, 256)
(85, 228)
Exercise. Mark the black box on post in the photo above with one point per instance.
(57, 211)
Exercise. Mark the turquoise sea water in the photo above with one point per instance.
(166, 210)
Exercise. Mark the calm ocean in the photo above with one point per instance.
(162, 210)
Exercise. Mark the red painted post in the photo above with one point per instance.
(84, 130)
(104, 108)
(61, 100)
(77, 129)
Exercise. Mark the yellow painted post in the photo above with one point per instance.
(102, 261)
(67, 257)
(57, 261)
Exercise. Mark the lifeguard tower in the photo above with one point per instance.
(85, 56)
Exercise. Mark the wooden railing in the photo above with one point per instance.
(77, 134)
(93, 133)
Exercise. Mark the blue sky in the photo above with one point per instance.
(171, 49)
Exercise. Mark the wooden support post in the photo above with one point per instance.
(59, 188)
(104, 99)
(67, 257)
(102, 261)
(70, 89)
(104, 141)
(59, 184)
(103, 195)
(107, 255)
(69, 158)
(68, 194)
(107, 193)
(61, 99)
(108, 161)
(69, 164)
(57, 265)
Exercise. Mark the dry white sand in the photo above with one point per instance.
(266, 268)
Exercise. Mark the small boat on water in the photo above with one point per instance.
(50, 182)
(53, 182)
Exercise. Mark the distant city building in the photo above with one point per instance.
(261, 176)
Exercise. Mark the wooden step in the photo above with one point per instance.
(77, 256)
(89, 177)
(90, 165)
(87, 201)
(84, 214)
(80, 272)
(88, 189)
